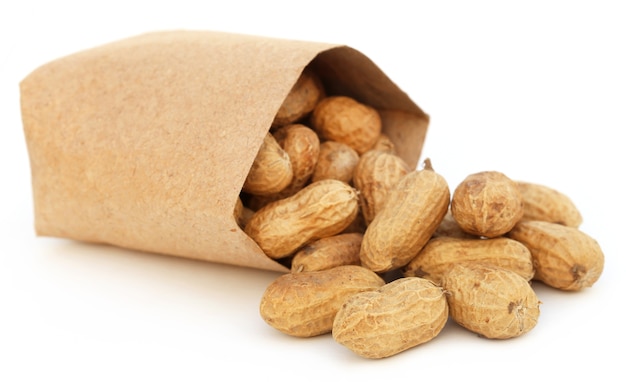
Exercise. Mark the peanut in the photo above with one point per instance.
(547, 204)
(414, 209)
(328, 252)
(441, 253)
(301, 99)
(393, 318)
(302, 146)
(336, 161)
(271, 170)
(450, 228)
(564, 257)
(305, 304)
(321, 209)
(491, 301)
(346, 120)
(384, 143)
(374, 175)
(487, 204)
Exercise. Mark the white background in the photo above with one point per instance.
(535, 89)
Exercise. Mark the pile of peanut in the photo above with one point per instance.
(382, 255)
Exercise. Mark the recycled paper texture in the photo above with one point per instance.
(145, 143)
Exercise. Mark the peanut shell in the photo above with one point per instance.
(440, 254)
(374, 175)
(346, 120)
(491, 301)
(301, 100)
(547, 204)
(271, 170)
(487, 204)
(328, 252)
(384, 143)
(336, 161)
(450, 228)
(305, 304)
(413, 211)
(321, 209)
(302, 146)
(564, 257)
(398, 316)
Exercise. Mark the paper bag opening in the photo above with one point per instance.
(145, 143)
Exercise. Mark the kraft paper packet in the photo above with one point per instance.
(145, 143)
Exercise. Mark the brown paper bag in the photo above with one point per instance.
(145, 143)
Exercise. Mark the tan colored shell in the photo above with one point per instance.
(305, 304)
(302, 146)
(271, 170)
(398, 316)
(441, 253)
(413, 211)
(450, 228)
(564, 257)
(328, 252)
(301, 100)
(374, 175)
(384, 143)
(336, 161)
(487, 204)
(491, 301)
(321, 209)
(242, 213)
(547, 204)
(346, 120)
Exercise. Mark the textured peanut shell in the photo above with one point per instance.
(321, 209)
(398, 316)
(374, 175)
(413, 211)
(344, 119)
(384, 143)
(301, 100)
(271, 170)
(450, 228)
(336, 161)
(487, 204)
(328, 252)
(491, 301)
(564, 257)
(305, 304)
(442, 253)
(302, 146)
(547, 204)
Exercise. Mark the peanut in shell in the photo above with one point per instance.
(302, 146)
(442, 253)
(547, 204)
(491, 301)
(271, 170)
(336, 160)
(304, 304)
(487, 204)
(374, 175)
(321, 209)
(564, 257)
(414, 209)
(396, 317)
(301, 100)
(346, 120)
(328, 252)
